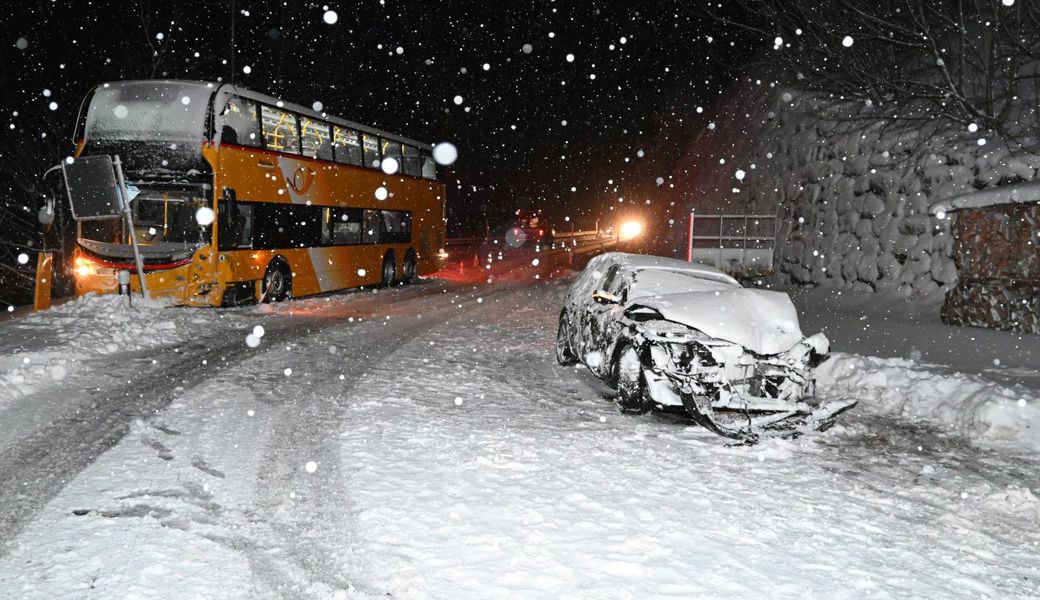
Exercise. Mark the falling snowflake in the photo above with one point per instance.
(204, 216)
(445, 153)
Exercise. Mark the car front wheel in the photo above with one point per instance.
(564, 356)
(630, 385)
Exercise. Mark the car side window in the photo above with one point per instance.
(612, 279)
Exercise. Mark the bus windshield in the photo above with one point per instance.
(162, 221)
(172, 112)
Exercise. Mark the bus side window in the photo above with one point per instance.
(371, 145)
(235, 230)
(429, 167)
(397, 226)
(372, 227)
(280, 133)
(391, 149)
(316, 140)
(347, 145)
(286, 226)
(346, 226)
(411, 161)
(240, 125)
(245, 226)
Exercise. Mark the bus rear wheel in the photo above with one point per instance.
(408, 270)
(389, 271)
(277, 282)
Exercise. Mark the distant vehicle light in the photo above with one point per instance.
(630, 230)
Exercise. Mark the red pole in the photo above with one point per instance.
(689, 242)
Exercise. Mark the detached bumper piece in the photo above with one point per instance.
(749, 422)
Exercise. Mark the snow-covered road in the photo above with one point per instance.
(422, 443)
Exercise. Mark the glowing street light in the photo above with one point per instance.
(629, 230)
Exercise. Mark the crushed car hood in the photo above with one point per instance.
(762, 321)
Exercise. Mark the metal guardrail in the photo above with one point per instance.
(733, 247)
(576, 235)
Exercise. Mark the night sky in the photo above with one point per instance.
(532, 126)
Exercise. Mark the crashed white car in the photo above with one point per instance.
(668, 333)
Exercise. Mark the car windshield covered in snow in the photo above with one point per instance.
(659, 282)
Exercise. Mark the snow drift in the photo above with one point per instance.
(969, 405)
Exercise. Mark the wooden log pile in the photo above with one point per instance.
(997, 251)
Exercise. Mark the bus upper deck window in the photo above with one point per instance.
(347, 145)
(429, 167)
(280, 133)
(240, 124)
(392, 149)
(371, 148)
(315, 137)
(411, 161)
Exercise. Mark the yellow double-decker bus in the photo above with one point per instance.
(241, 197)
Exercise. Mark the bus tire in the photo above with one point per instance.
(277, 285)
(389, 272)
(408, 270)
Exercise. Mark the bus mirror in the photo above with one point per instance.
(91, 185)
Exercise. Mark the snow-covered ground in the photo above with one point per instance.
(422, 443)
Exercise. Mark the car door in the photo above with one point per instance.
(603, 316)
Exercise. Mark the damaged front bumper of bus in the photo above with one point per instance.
(174, 273)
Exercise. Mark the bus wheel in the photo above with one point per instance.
(277, 282)
(408, 270)
(389, 271)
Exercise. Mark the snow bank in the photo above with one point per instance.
(970, 405)
(46, 346)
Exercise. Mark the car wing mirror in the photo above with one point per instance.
(603, 297)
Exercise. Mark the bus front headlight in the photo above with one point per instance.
(84, 267)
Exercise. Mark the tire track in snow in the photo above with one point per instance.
(36, 468)
(305, 510)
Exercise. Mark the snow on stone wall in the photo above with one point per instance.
(852, 192)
